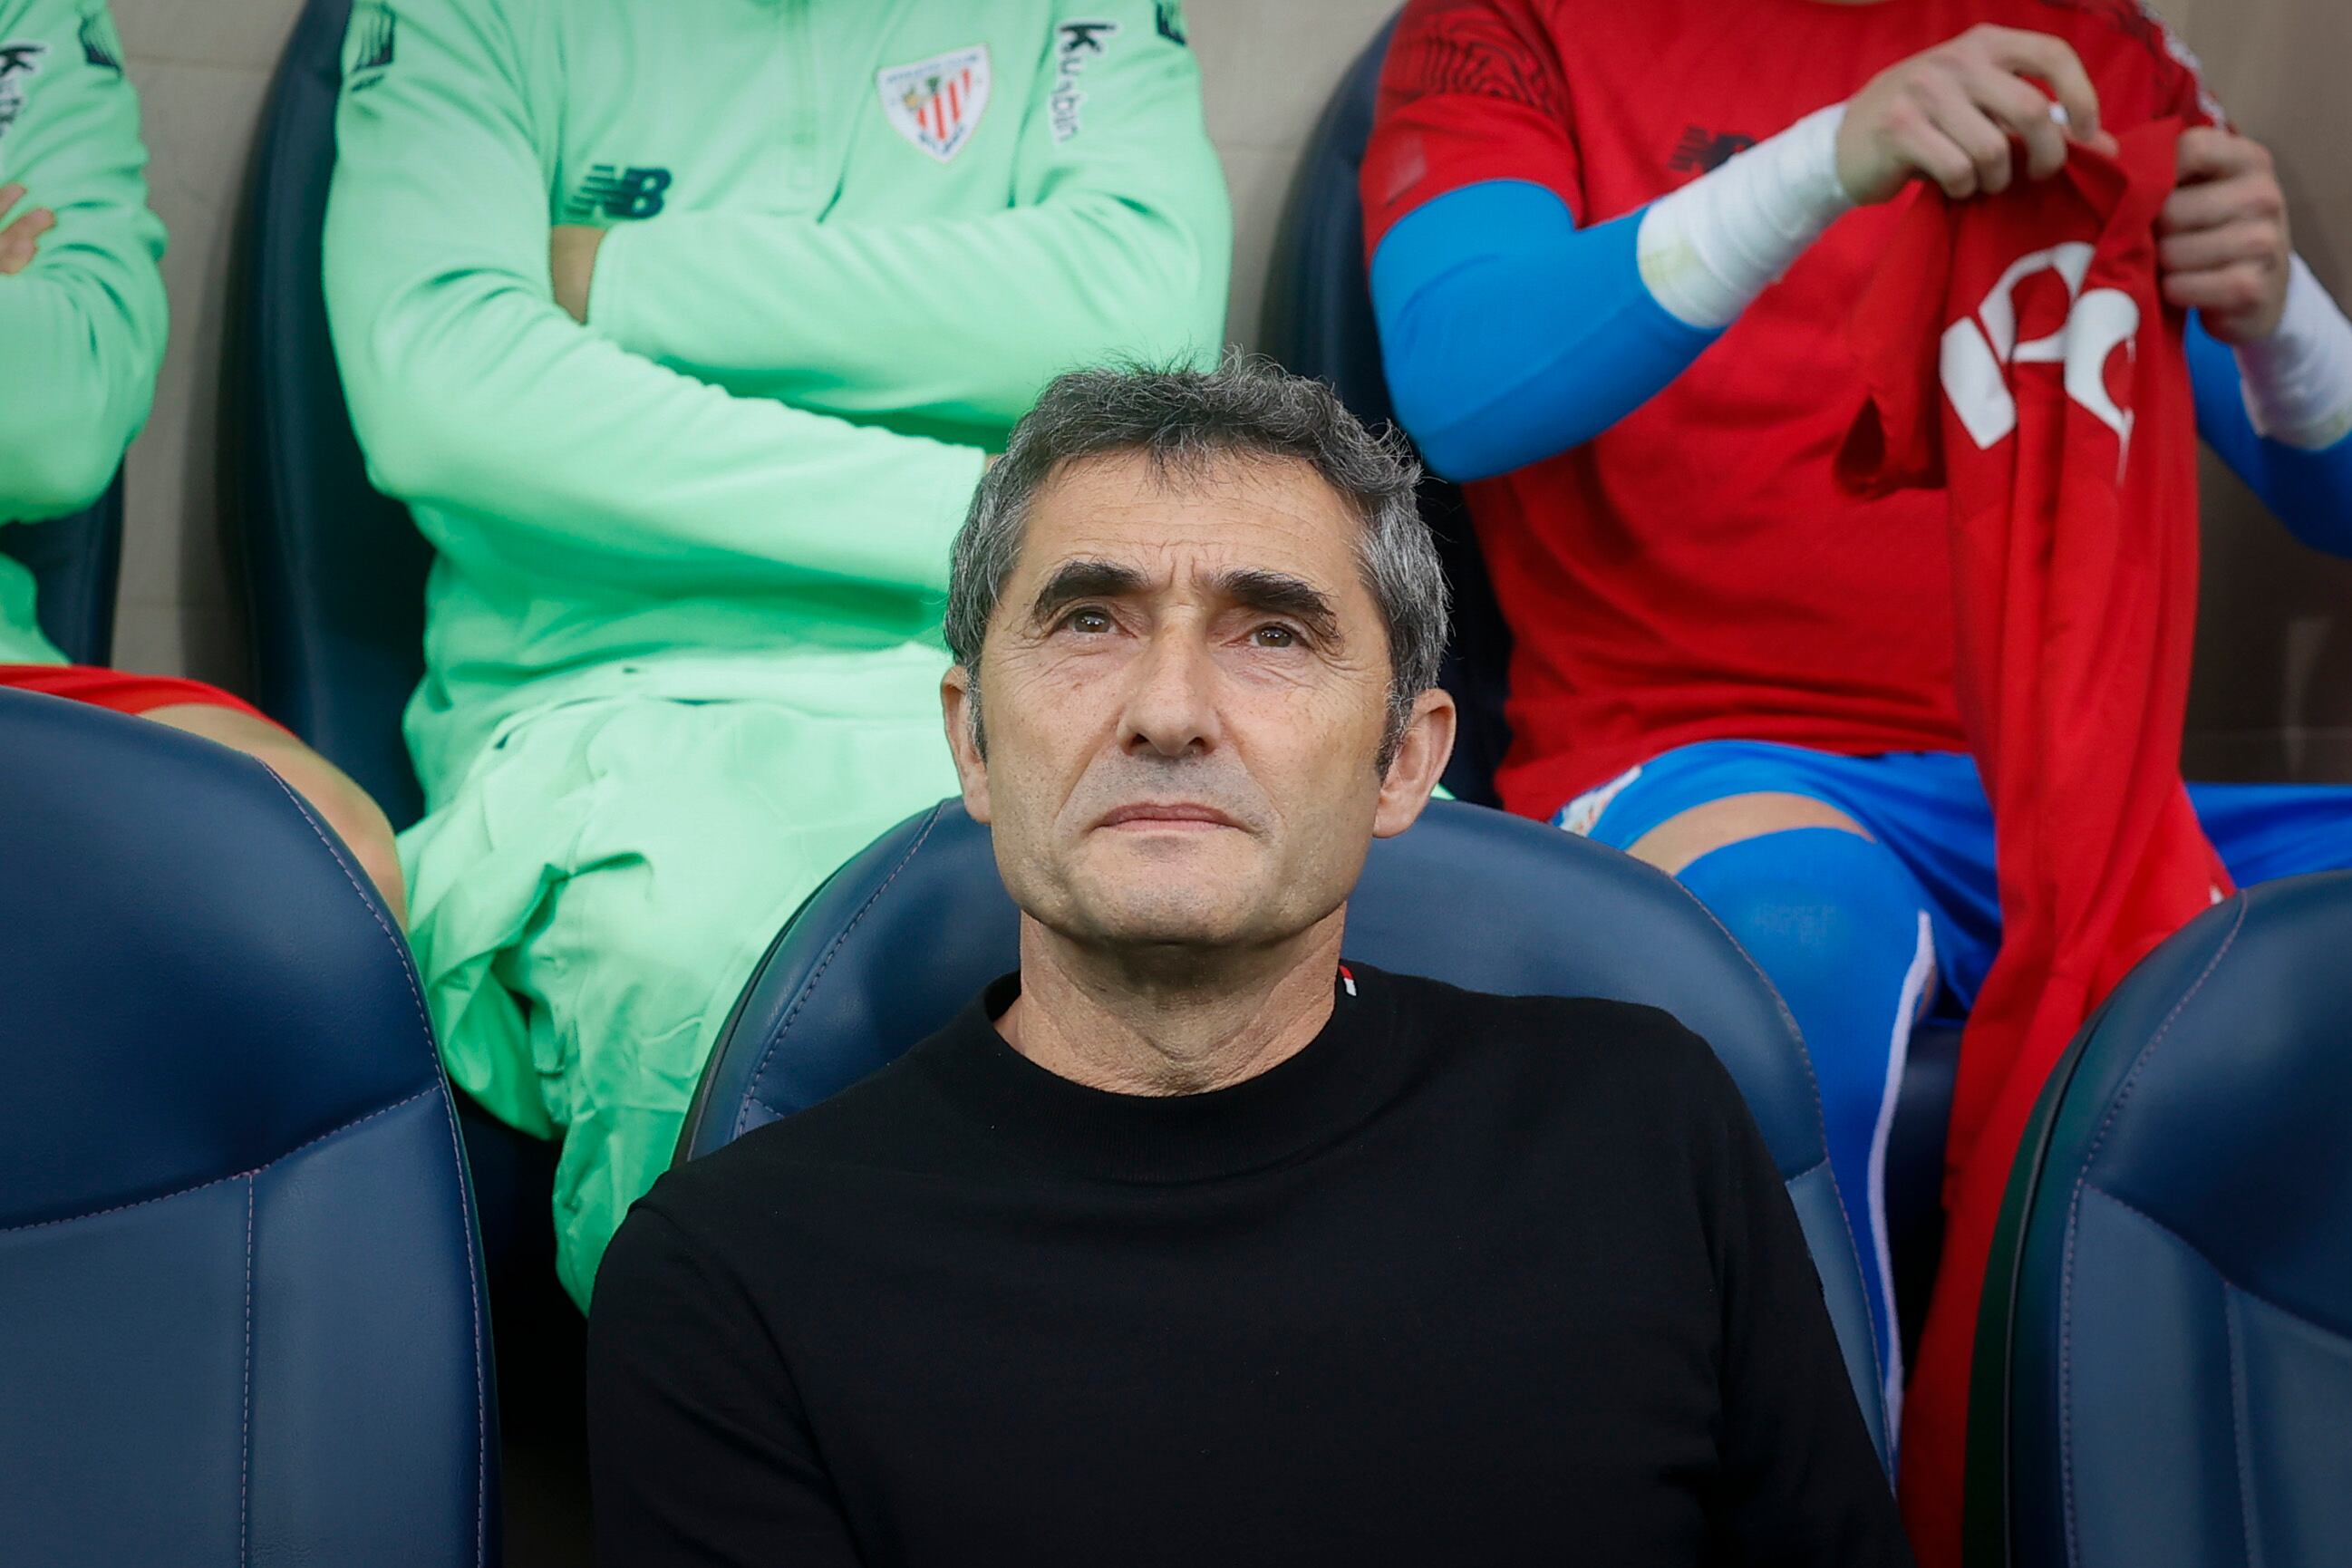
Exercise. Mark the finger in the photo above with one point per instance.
(1967, 127)
(31, 225)
(2021, 110)
(10, 195)
(2219, 204)
(2257, 240)
(2052, 60)
(1942, 160)
(2219, 292)
(2206, 153)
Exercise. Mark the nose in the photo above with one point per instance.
(1171, 707)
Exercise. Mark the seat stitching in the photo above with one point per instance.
(2268, 1305)
(2074, 1229)
(2131, 1079)
(808, 988)
(2232, 1292)
(245, 1417)
(457, 1153)
(217, 1180)
(2239, 1447)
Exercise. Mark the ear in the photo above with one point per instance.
(1420, 757)
(957, 702)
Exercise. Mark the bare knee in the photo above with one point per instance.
(350, 810)
(1682, 839)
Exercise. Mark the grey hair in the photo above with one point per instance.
(1187, 422)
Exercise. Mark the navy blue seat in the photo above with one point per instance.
(2163, 1371)
(334, 571)
(1319, 322)
(898, 940)
(74, 562)
(241, 1314)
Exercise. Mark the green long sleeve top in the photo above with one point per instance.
(847, 243)
(81, 330)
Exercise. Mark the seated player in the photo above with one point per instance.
(81, 336)
(1188, 1243)
(686, 331)
(1721, 661)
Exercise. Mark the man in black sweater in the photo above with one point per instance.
(1190, 1242)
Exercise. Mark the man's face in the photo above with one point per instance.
(1184, 689)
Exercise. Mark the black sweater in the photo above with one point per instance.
(1469, 1280)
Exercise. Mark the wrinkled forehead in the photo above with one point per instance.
(1182, 524)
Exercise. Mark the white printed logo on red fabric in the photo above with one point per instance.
(937, 103)
(1978, 350)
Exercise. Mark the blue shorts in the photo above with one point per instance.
(1929, 809)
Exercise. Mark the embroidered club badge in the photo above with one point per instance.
(937, 103)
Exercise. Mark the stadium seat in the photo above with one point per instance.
(74, 561)
(1319, 322)
(334, 571)
(888, 949)
(241, 1313)
(2163, 1371)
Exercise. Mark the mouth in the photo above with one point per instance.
(1167, 816)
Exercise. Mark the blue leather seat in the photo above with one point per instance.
(240, 1312)
(334, 571)
(1319, 322)
(2163, 1373)
(74, 562)
(898, 940)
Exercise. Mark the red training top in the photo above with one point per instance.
(2020, 356)
(121, 691)
(1694, 572)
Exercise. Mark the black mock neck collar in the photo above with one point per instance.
(1353, 1066)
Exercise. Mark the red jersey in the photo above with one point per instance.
(2021, 358)
(122, 692)
(1696, 572)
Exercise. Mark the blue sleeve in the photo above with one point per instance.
(2311, 492)
(1509, 334)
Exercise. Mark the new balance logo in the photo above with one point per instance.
(617, 193)
(1706, 151)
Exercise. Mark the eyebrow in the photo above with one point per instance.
(1280, 593)
(1084, 579)
(1253, 588)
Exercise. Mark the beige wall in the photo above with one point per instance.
(202, 68)
(2274, 693)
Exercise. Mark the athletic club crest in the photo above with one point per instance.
(937, 103)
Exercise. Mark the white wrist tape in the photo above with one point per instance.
(1707, 249)
(2297, 383)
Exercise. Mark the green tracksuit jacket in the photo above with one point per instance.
(682, 653)
(81, 330)
(850, 241)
